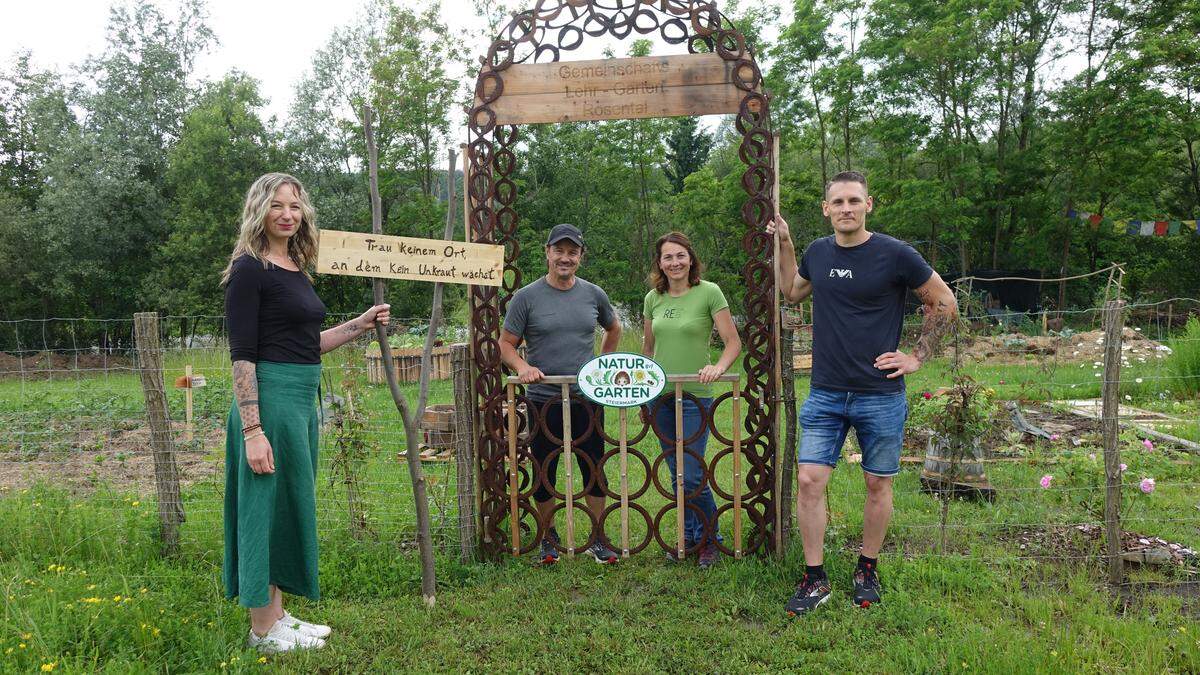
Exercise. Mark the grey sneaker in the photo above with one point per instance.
(708, 555)
(603, 554)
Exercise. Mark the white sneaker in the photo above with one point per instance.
(283, 638)
(314, 629)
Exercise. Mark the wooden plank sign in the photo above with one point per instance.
(611, 89)
(375, 255)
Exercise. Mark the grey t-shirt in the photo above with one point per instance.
(559, 328)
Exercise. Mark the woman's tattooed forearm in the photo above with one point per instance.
(245, 389)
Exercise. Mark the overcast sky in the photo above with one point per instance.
(271, 40)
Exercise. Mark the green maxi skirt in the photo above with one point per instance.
(271, 519)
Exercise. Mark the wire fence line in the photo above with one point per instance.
(73, 417)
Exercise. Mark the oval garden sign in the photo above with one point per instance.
(622, 380)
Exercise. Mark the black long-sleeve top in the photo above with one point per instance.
(272, 314)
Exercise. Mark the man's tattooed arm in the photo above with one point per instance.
(941, 311)
(245, 389)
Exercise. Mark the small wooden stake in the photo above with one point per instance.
(680, 549)
(188, 429)
(569, 456)
(513, 512)
(737, 469)
(623, 415)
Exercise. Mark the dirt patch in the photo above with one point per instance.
(117, 458)
(52, 366)
(1016, 348)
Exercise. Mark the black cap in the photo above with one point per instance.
(565, 231)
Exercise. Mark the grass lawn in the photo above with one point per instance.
(1017, 586)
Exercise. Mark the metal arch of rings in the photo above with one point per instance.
(541, 35)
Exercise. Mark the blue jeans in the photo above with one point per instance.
(663, 410)
(878, 419)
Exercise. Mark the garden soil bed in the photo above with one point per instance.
(117, 459)
(1017, 348)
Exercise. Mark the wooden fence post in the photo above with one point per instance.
(166, 473)
(788, 409)
(1113, 325)
(464, 451)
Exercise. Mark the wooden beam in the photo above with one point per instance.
(619, 104)
(603, 74)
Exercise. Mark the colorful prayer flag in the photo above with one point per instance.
(1147, 228)
(1173, 228)
(1160, 228)
(1095, 220)
(1071, 213)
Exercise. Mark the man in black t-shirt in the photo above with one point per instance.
(859, 281)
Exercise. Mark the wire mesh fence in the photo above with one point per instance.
(73, 422)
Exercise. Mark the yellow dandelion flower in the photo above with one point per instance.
(116, 598)
(8, 651)
(21, 646)
(91, 587)
(262, 659)
(90, 601)
(26, 636)
(155, 632)
(143, 590)
(223, 665)
(136, 503)
(47, 667)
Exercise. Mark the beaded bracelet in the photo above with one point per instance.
(260, 433)
(252, 426)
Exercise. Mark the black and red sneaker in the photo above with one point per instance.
(810, 594)
(866, 585)
(547, 553)
(602, 554)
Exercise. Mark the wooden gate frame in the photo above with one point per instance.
(541, 35)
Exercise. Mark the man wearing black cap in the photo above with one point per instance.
(556, 316)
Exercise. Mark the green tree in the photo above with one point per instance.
(687, 150)
(223, 147)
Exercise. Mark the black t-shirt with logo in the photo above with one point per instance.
(858, 308)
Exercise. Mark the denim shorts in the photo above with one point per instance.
(878, 420)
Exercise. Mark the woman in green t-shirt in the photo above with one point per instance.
(680, 313)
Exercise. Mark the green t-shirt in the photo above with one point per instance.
(683, 329)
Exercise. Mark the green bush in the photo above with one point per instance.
(1184, 362)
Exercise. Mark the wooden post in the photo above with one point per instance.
(166, 473)
(568, 440)
(1170, 317)
(1113, 324)
(464, 452)
(623, 416)
(514, 514)
(788, 410)
(679, 496)
(737, 469)
(409, 417)
(188, 429)
(1045, 322)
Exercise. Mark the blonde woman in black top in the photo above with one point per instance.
(274, 320)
